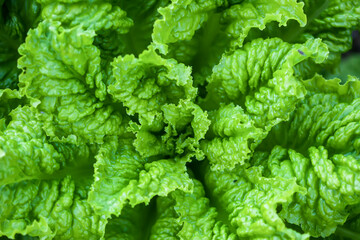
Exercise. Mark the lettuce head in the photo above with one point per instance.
(179, 119)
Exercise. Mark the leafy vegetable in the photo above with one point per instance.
(179, 119)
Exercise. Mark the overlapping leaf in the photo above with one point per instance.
(65, 59)
(322, 138)
(122, 176)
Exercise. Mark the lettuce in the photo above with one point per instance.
(182, 119)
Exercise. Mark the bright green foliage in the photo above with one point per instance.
(180, 20)
(327, 117)
(332, 184)
(123, 176)
(189, 216)
(332, 21)
(245, 206)
(323, 155)
(250, 201)
(159, 91)
(264, 87)
(41, 197)
(240, 18)
(66, 60)
(95, 15)
(233, 137)
(179, 119)
(185, 125)
(24, 132)
(261, 78)
(146, 83)
(48, 208)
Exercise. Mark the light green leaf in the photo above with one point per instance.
(180, 20)
(260, 78)
(43, 184)
(240, 18)
(248, 202)
(241, 205)
(144, 84)
(188, 216)
(185, 125)
(122, 176)
(25, 151)
(66, 62)
(166, 225)
(91, 15)
(328, 116)
(232, 138)
(332, 21)
(321, 149)
(27, 154)
(49, 209)
(332, 183)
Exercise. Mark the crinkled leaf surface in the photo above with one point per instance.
(118, 102)
(66, 60)
(122, 176)
(323, 155)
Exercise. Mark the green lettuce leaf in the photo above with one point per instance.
(158, 92)
(241, 205)
(99, 16)
(75, 108)
(322, 151)
(122, 176)
(266, 91)
(108, 20)
(249, 202)
(326, 117)
(232, 137)
(332, 184)
(188, 216)
(331, 20)
(185, 125)
(49, 209)
(144, 84)
(261, 79)
(178, 119)
(180, 20)
(166, 225)
(43, 184)
(25, 153)
(239, 19)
